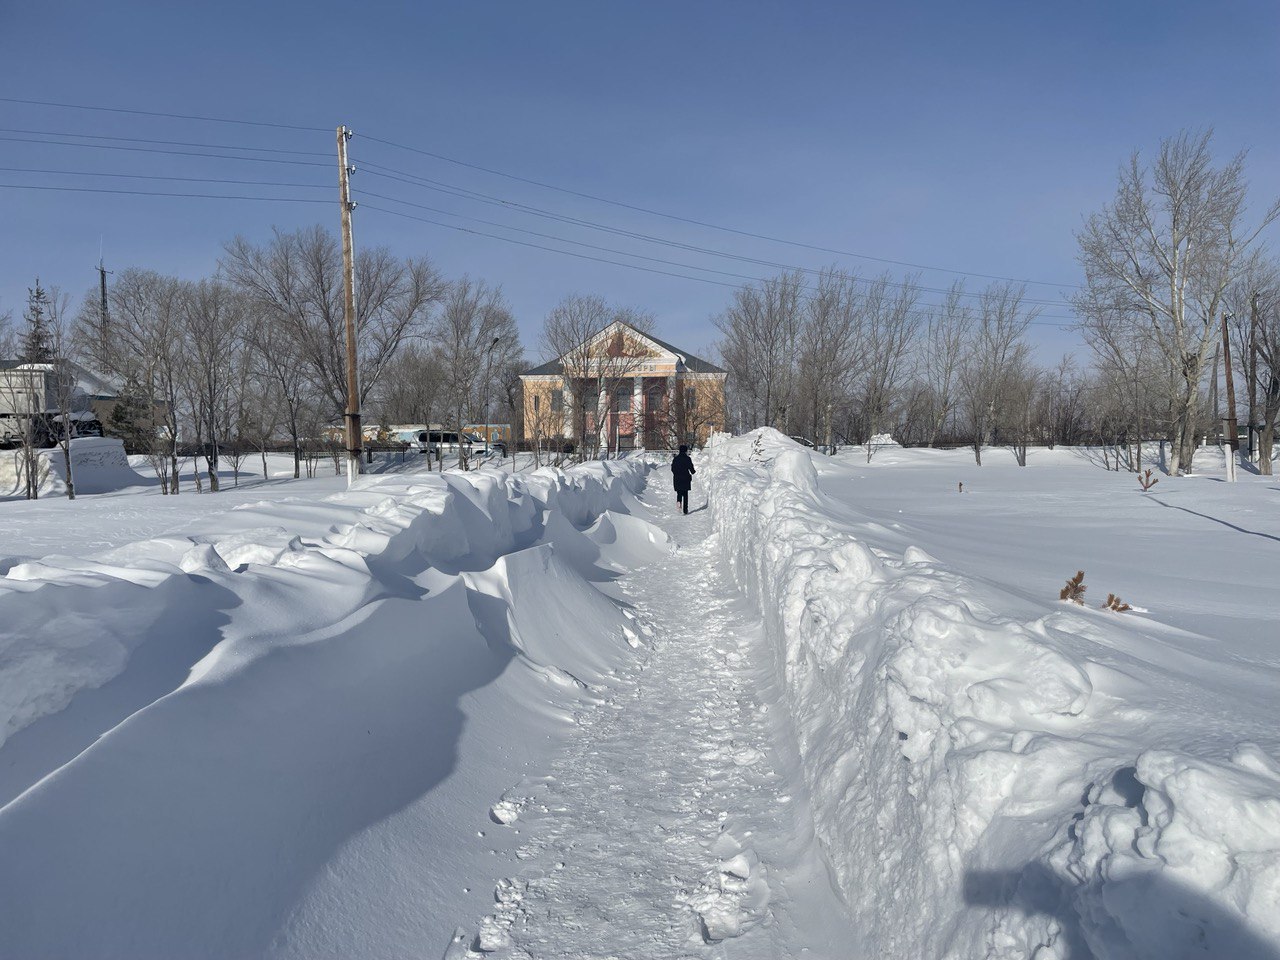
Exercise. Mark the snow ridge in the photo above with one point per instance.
(980, 788)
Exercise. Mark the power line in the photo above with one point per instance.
(703, 223)
(148, 176)
(148, 193)
(170, 116)
(533, 182)
(592, 246)
(172, 143)
(595, 259)
(377, 170)
(174, 153)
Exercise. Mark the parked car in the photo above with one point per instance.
(445, 443)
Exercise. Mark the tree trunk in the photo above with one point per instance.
(1266, 440)
(66, 459)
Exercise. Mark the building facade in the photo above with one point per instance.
(623, 390)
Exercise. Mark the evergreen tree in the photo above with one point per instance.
(37, 340)
(131, 418)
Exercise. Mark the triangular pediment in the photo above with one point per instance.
(630, 342)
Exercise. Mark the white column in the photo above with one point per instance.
(602, 419)
(637, 411)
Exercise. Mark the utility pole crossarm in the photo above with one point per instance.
(353, 430)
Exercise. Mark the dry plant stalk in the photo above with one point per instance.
(1074, 590)
(1147, 480)
(1115, 604)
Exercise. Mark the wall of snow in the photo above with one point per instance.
(981, 788)
(284, 737)
(98, 465)
(67, 625)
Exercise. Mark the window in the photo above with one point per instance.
(690, 399)
(537, 403)
(622, 398)
(557, 401)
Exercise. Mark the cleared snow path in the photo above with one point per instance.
(675, 824)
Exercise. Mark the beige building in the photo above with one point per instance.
(624, 390)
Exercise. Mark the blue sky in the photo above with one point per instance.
(972, 136)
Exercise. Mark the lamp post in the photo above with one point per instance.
(488, 370)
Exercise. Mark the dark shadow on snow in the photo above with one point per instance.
(1202, 925)
(1205, 516)
(188, 627)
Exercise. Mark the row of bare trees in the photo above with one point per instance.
(837, 357)
(847, 358)
(238, 362)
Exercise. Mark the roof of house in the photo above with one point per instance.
(88, 380)
(691, 363)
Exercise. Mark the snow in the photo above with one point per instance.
(995, 773)
(98, 465)
(835, 711)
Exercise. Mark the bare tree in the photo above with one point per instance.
(151, 351)
(473, 318)
(298, 276)
(832, 336)
(66, 397)
(890, 326)
(996, 350)
(1254, 302)
(268, 337)
(8, 342)
(948, 329)
(213, 315)
(761, 333)
(1159, 259)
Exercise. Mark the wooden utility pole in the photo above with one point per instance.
(1253, 378)
(349, 285)
(1233, 439)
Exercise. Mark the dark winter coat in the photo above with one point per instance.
(682, 472)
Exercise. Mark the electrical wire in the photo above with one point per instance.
(172, 143)
(174, 153)
(703, 223)
(591, 246)
(532, 182)
(148, 176)
(148, 193)
(595, 259)
(377, 170)
(171, 116)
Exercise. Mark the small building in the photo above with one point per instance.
(624, 389)
(40, 389)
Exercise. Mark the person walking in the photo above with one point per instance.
(682, 472)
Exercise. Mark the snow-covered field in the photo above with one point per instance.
(996, 773)
(836, 711)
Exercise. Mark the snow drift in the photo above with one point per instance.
(98, 465)
(996, 785)
(250, 742)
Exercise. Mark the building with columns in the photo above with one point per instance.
(623, 389)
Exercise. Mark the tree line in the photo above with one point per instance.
(253, 356)
(841, 358)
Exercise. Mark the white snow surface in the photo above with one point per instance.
(98, 465)
(999, 774)
(836, 711)
(277, 737)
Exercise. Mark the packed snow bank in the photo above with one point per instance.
(68, 624)
(989, 777)
(283, 737)
(98, 465)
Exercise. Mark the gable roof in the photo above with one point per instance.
(691, 363)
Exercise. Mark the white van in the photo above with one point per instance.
(444, 443)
